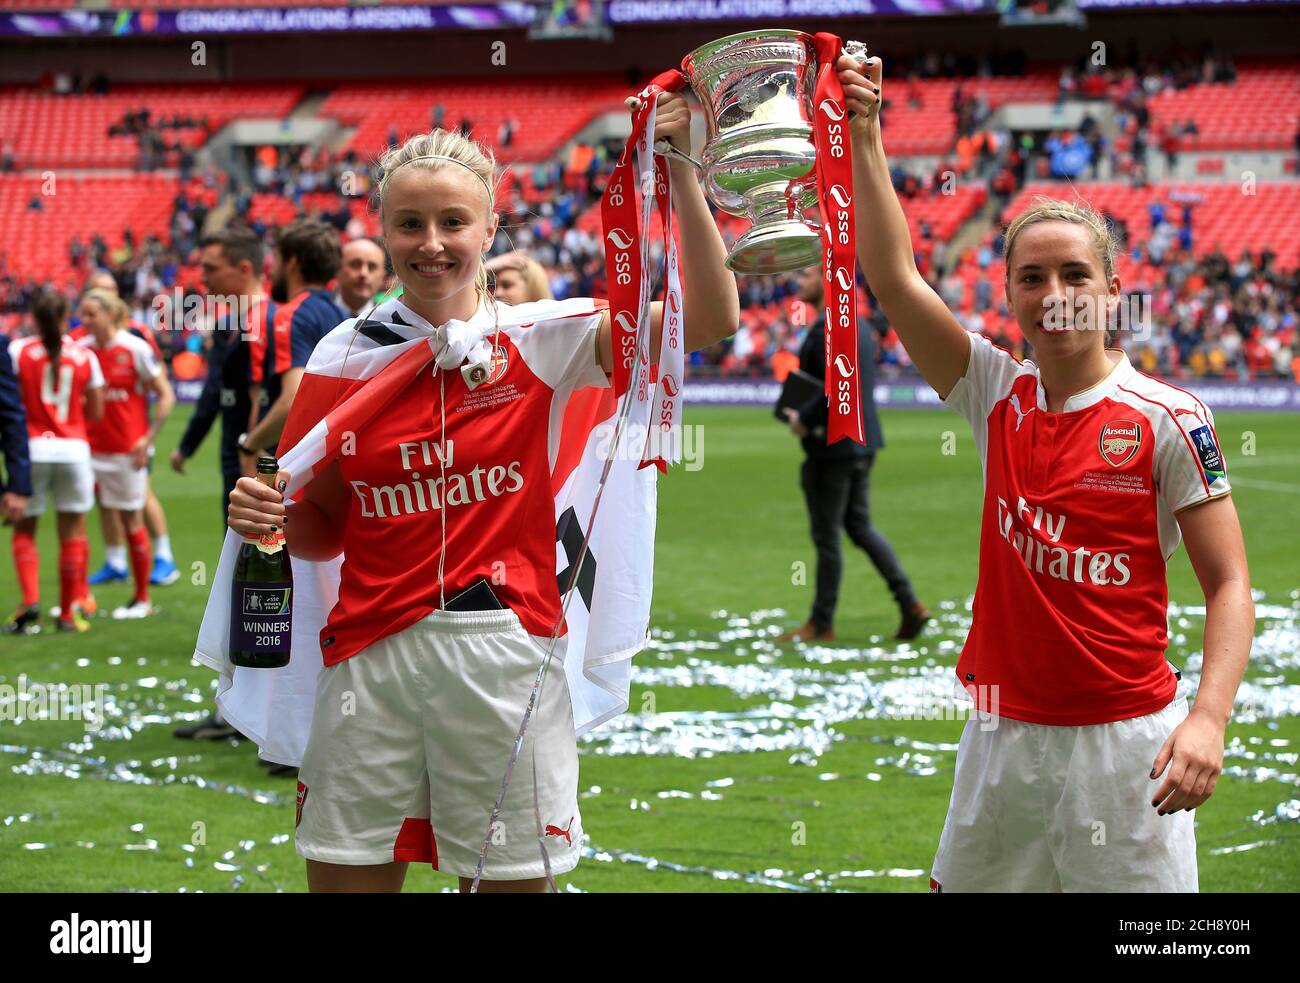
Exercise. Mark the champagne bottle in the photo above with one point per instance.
(261, 597)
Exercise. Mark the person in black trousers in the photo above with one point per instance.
(836, 482)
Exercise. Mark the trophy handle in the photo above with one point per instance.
(666, 149)
(856, 50)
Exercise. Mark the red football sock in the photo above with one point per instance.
(72, 572)
(141, 562)
(28, 562)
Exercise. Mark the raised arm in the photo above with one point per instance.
(938, 345)
(710, 299)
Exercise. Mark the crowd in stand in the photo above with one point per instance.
(1212, 316)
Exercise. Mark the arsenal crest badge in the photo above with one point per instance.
(302, 800)
(1119, 442)
(478, 375)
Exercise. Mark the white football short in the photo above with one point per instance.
(1039, 808)
(120, 484)
(70, 484)
(409, 742)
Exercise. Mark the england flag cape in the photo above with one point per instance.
(356, 372)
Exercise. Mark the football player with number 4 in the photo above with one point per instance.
(1082, 765)
(61, 386)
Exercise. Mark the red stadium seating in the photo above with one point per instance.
(271, 209)
(931, 127)
(1227, 217)
(46, 130)
(35, 242)
(274, 209)
(944, 213)
(550, 110)
(1259, 111)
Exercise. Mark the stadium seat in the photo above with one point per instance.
(1259, 111)
(549, 110)
(35, 241)
(46, 130)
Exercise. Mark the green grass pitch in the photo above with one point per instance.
(741, 766)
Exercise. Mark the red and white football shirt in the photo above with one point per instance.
(137, 328)
(54, 397)
(1070, 622)
(128, 364)
(493, 489)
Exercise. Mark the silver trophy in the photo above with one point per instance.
(759, 159)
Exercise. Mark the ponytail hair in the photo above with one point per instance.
(50, 311)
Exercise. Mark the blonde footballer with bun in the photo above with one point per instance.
(1093, 472)
(445, 519)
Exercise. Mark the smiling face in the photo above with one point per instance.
(437, 225)
(1058, 289)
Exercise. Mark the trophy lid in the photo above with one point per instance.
(746, 49)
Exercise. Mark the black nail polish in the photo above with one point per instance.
(283, 485)
(1153, 773)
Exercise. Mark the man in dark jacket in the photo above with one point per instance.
(231, 269)
(225, 397)
(836, 480)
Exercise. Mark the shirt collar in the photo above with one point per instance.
(1121, 372)
(481, 316)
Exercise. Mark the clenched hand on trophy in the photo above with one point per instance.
(861, 82)
(672, 121)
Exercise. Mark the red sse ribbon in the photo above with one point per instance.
(835, 195)
(622, 227)
(834, 174)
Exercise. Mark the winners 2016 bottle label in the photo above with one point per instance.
(260, 616)
(261, 595)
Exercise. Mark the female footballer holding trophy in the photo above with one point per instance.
(1092, 474)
